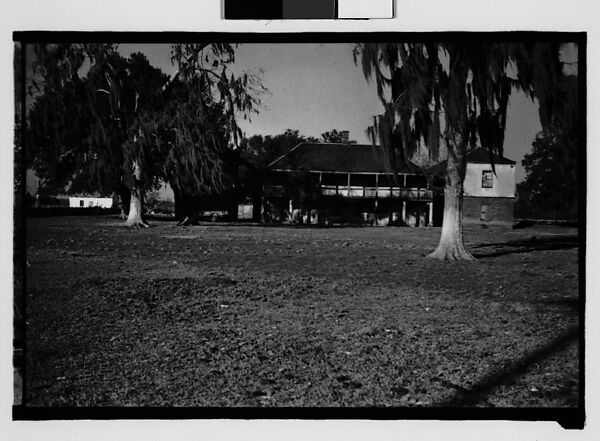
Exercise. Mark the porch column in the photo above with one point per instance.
(430, 220)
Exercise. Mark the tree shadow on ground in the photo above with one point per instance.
(567, 302)
(480, 390)
(527, 246)
(278, 225)
(220, 223)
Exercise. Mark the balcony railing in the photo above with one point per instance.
(366, 192)
(377, 192)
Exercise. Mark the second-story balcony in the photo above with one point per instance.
(356, 185)
(377, 192)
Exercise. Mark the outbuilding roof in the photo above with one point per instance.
(481, 156)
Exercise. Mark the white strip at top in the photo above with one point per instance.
(365, 9)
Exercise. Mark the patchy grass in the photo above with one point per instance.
(226, 315)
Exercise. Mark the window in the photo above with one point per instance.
(486, 179)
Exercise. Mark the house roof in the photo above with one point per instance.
(333, 157)
(362, 158)
(482, 156)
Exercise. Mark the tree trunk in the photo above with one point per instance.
(451, 246)
(125, 197)
(179, 208)
(233, 203)
(187, 207)
(135, 218)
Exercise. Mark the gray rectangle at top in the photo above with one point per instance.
(309, 9)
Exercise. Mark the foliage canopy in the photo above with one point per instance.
(91, 129)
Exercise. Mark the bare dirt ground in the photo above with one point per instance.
(239, 315)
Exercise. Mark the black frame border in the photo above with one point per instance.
(570, 418)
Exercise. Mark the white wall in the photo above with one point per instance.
(503, 181)
(75, 202)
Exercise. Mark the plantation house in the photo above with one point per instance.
(337, 182)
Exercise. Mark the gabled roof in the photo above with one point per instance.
(476, 156)
(481, 156)
(361, 158)
(332, 157)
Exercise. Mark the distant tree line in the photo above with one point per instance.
(262, 150)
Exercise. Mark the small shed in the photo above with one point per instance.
(89, 202)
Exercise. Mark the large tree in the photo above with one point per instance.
(551, 180)
(210, 99)
(448, 97)
(81, 119)
(551, 167)
(142, 126)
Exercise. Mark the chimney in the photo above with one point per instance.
(345, 136)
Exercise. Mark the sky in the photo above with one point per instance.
(317, 87)
(311, 87)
